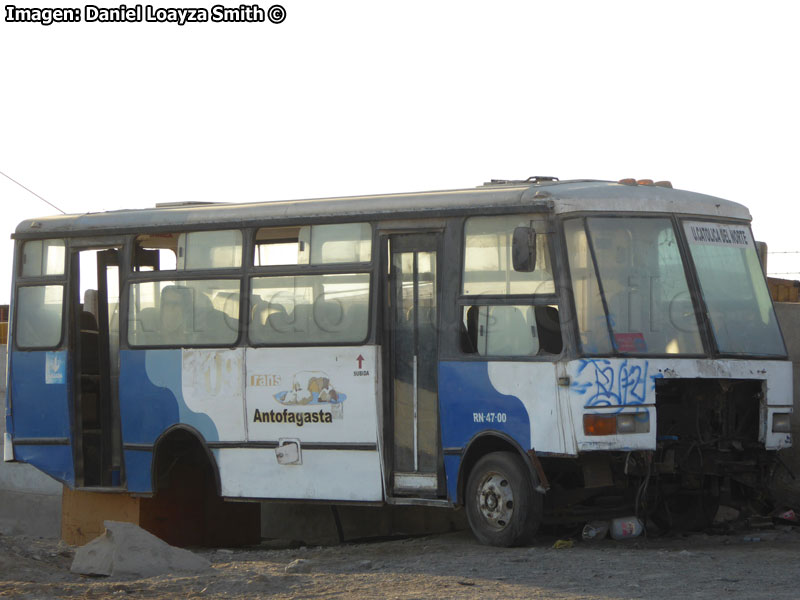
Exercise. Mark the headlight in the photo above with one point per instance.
(782, 423)
(600, 424)
(626, 423)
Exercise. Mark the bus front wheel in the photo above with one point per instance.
(502, 507)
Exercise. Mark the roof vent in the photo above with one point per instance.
(535, 179)
(632, 181)
(540, 179)
(184, 204)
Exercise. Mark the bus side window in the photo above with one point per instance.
(39, 316)
(182, 313)
(209, 323)
(501, 330)
(314, 244)
(175, 313)
(188, 251)
(310, 309)
(506, 257)
(155, 253)
(43, 257)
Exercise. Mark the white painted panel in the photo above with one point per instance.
(322, 394)
(613, 386)
(616, 385)
(776, 441)
(212, 383)
(779, 383)
(535, 386)
(324, 475)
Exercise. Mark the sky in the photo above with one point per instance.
(360, 97)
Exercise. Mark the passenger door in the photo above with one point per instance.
(411, 353)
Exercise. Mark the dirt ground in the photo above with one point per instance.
(746, 564)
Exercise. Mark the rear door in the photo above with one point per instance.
(38, 406)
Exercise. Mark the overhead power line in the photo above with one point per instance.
(32, 192)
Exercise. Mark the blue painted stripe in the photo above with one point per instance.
(470, 405)
(147, 409)
(138, 464)
(40, 410)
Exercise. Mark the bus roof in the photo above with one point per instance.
(556, 197)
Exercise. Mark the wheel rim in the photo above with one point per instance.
(495, 500)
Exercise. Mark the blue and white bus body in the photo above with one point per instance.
(320, 422)
(230, 398)
(541, 407)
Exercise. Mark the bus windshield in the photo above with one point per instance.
(643, 282)
(733, 286)
(632, 295)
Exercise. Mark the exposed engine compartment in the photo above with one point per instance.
(710, 413)
(707, 452)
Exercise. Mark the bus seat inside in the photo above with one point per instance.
(549, 329)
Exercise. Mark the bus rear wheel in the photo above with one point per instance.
(502, 507)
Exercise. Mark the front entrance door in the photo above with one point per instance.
(412, 318)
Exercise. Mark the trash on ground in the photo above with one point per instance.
(787, 515)
(626, 527)
(595, 530)
(726, 514)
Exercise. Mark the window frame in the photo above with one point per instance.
(19, 271)
(133, 277)
(126, 292)
(699, 298)
(293, 266)
(360, 342)
(41, 283)
(710, 349)
(243, 231)
(545, 226)
(19, 281)
(301, 270)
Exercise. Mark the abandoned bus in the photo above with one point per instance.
(527, 350)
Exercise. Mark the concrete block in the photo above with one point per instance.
(31, 514)
(22, 478)
(30, 501)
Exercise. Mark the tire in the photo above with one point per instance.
(502, 507)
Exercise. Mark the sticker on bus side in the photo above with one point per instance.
(718, 234)
(55, 369)
(319, 392)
